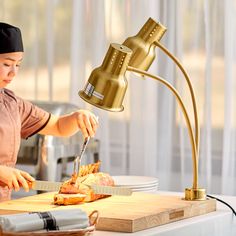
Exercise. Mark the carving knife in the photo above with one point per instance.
(98, 189)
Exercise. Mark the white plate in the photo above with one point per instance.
(135, 181)
(150, 191)
(144, 189)
(139, 186)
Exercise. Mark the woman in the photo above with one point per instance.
(21, 119)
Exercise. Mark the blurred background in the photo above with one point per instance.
(65, 39)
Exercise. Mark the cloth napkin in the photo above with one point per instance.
(51, 220)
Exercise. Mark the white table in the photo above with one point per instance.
(222, 222)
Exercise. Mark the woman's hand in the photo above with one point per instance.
(15, 178)
(67, 125)
(87, 122)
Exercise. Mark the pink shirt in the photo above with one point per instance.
(18, 119)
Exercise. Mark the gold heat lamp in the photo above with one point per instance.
(107, 84)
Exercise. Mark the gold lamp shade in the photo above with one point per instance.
(143, 46)
(107, 84)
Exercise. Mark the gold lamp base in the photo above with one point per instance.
(192, 194)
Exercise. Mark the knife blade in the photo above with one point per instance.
(98, 189)
(110, 190)
(44, 185)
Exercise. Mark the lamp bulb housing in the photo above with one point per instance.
(143, 46)
(107, 84)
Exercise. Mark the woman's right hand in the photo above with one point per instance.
(15, 178)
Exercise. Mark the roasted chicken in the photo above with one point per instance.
(78, 188)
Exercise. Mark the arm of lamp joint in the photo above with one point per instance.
(165, 50)
(190, 130)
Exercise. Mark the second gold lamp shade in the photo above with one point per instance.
(107, 84)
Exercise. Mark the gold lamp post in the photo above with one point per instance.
(143, 46)
(107, 84)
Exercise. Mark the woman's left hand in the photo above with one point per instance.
(87, 122)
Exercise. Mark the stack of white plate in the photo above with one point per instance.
(137, 183)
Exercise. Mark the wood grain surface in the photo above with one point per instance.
(121, 213)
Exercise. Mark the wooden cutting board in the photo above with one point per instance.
(121, 213)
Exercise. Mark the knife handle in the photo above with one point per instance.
(30, 184)
(2, 184)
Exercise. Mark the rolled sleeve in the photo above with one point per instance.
(33, 118)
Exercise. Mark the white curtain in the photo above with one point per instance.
(64, 40)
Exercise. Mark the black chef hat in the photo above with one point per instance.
(10, 39)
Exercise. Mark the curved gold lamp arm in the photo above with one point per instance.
(165, 50)
(194, 193)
